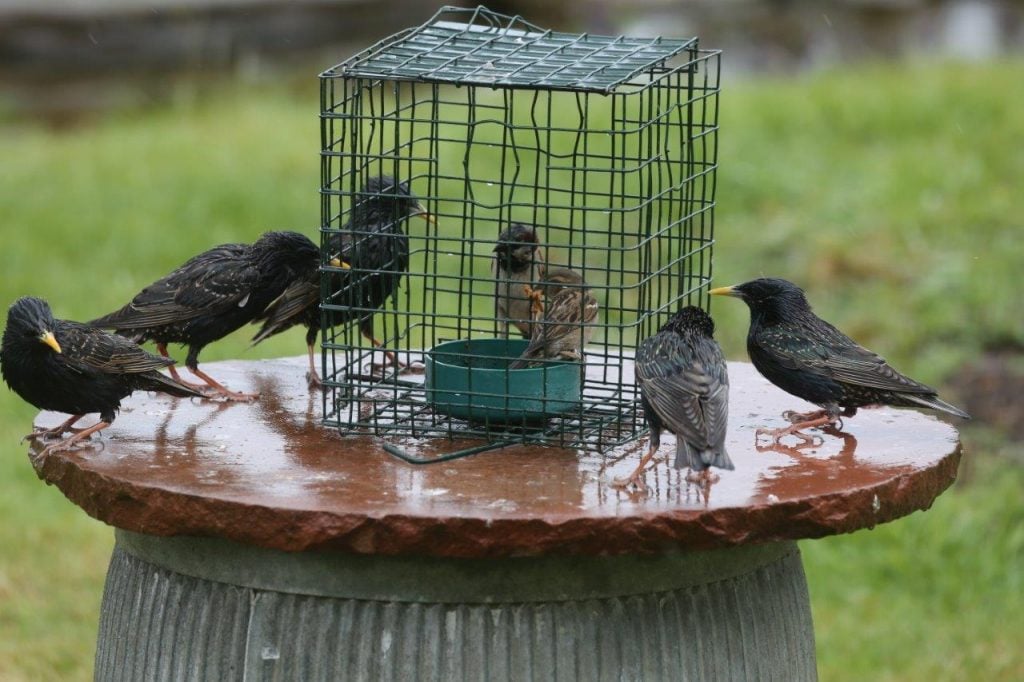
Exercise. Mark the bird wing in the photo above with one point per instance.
(823, 349)
(207, 284)
(687, 387)
(568, 311)
(103, 352)
(287, 309)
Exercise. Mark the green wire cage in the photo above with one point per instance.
(604, 147)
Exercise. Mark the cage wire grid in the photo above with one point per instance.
(607, 147)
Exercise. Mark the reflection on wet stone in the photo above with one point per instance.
(268, 473)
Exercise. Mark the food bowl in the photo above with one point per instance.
(470, 379)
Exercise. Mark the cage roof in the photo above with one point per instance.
(480, 47)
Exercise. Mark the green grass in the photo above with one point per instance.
(887, 192)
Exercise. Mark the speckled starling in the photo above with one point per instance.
(371, 253)
(212, 295)
(809, 358)
(684, 387)
(76, 369)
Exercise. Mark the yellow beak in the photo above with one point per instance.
(426, 216)
(338, 263)
(50, 340)
(723, 291)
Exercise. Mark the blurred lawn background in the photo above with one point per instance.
(892, 194)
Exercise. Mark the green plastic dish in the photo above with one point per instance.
(470, 379)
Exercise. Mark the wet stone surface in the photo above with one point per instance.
(267, 473)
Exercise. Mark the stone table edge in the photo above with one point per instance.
(466, 537)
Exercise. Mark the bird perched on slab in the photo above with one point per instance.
(371, 253)
(212, 295)
(76, 369)
(563, 330)
(806, 356)
(684, 387)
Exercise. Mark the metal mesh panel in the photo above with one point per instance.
(486, 48)
(619, 187)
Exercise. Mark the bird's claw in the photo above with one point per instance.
(705, 477)
(623, 482)
(49, 434)
(807, 440)
(794, 417)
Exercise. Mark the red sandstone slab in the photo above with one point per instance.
(269, 474)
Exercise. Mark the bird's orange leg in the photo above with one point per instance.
(218, 389)
(312, 377)
(636, 478)
(56, 431)
(391, 358)
(795, 429)
(162, 349)
(705, 477)
(794, 417)
(66, 444)
(536, 297)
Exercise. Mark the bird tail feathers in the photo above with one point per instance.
(165, 384)
(699, 460)
(934, 403)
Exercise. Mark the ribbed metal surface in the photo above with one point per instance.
(161, 625)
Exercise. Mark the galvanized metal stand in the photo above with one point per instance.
(211, 609)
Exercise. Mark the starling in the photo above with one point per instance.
(373, 254)
(805, 356)
(212, 295)
(564, 329)
(76, 369)
(517, 264)
(684, 387)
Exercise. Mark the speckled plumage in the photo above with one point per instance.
(564, 329)
(375, 252)
(809, 358)
(92, 371)
(214, 293)
(684, 387)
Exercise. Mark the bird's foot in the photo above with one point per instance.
(201, 388)
(55, 432)
(705, 477)
(796, 429)
(412, 368)
(47, 434)
(234, 396)
(794, 417)
(380, 369)
(39, 458)
(536, 297)
(634, 480)
(313, 381)
(213, 390)
(806, 440)
(637, 477)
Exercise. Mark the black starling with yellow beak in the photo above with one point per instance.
(76, 369)
(806, 356)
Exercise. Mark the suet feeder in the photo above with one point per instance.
(605, 146)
